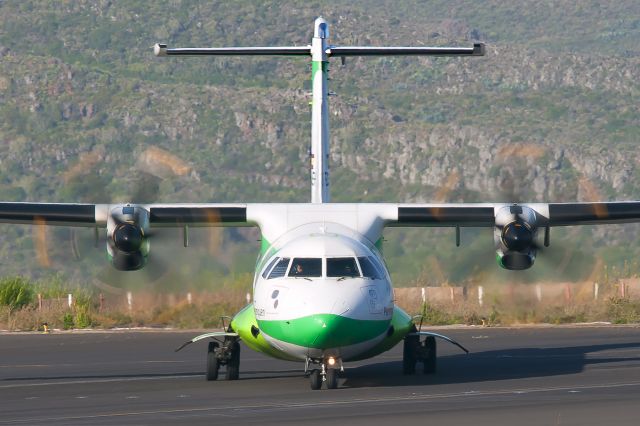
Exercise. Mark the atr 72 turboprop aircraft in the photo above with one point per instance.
(322, 293)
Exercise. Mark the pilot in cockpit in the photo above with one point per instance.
(297, 269)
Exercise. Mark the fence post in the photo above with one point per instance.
(480, 295)
(129, 300)
(539, 292)
(248, 297)
(189, 299)
(567, 293)
(596, 290)
(424, 295)
(70, 299)
(39, 301)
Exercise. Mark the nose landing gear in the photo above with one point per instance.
(327, 373)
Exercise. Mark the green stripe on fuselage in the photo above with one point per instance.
(317, 66)
(323, 331)
(242, 323)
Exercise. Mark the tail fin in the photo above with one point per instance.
(320, 52)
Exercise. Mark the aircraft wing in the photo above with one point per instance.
(51, 214)
(128, 226)
(96, 215)
(487, 214)
(516, 227)
(403, 215)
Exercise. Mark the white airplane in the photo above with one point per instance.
(322, 292)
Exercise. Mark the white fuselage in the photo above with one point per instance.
(340, 306)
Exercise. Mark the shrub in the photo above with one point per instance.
(622, 310)
(83, 316)
(67, 321)
(15, 292)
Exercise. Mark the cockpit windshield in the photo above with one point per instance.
(306, 267)
(280, 269)
(368, 268)
(265, 273)
(342, 267)
(335, 267)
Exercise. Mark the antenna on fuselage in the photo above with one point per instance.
(320, 52)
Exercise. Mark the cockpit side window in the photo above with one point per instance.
(379, 266)
(368, 268)
(280, 269)
(306, 267)
(268, 268)
(342, 267)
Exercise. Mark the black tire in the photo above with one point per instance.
(332, 378)
(429, 361)
(315, 380)
(233, 365)
(212, 362)
(409, 359)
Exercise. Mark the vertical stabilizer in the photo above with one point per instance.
(320, 114)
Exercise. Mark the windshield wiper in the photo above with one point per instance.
(304, 278)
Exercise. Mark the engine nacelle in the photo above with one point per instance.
(515, 233)
(128, 237)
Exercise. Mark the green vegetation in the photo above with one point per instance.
(15, 292)
(82, 98)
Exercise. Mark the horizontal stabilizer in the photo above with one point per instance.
(478, 49)
(163, 50)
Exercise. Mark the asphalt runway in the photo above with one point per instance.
(527, 376)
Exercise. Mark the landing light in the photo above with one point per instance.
(331, 361)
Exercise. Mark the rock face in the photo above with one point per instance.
(550, 114)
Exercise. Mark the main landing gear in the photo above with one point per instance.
(225, 353)
(327, 373)
(425, 352)
(416, 351)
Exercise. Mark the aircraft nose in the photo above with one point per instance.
(344, 325)
(333, 331)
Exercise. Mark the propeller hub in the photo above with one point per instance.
(517, 236)
(128, 238)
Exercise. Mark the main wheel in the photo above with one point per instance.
(409, 358)
(332, 378)
(212, 362)
(315, 380)
(430, 355)
(233, 365)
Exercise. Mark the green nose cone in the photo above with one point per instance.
(323, 331)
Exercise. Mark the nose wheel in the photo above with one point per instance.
(315, 379)
(327, 373)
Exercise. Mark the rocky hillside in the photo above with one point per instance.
(550, 114)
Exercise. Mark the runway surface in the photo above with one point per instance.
(528, 376)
